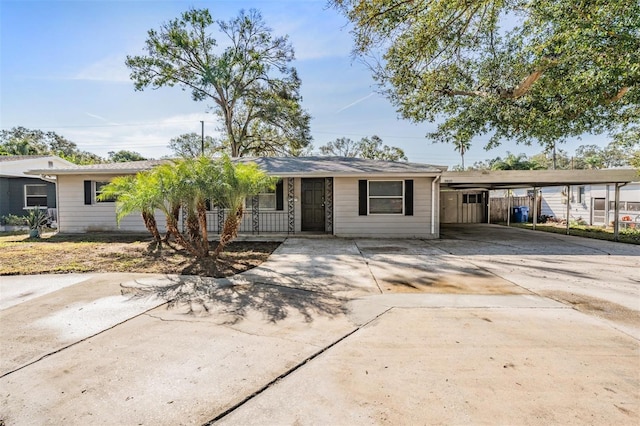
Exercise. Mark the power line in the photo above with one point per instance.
(111, 125)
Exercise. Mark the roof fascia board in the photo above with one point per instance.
(288, 174)
(523, 179)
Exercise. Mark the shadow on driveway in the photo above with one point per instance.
(232, 299)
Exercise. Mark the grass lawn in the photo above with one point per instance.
(630, 236)
(53, 253)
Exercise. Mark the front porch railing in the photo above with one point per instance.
(252, 222)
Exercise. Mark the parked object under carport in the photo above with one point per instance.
(520, 214)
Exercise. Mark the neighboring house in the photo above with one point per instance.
(330, 195)
(593, 204)
(20, 192)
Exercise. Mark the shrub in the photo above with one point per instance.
(13, 220)
(36, 219)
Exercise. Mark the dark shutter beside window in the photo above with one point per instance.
(280, 195)
(408, 197)
(87, 192)
(362, 197)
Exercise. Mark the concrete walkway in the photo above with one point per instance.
(487, 326)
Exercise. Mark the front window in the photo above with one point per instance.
(35, 195)
(386, 197)
(266, 201)
(99, 187)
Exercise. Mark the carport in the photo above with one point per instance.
(486, 180)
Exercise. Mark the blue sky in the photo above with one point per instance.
(62, 69)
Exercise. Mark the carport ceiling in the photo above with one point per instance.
(504, 179)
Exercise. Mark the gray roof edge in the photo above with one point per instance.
(295, 168)
(67, 172)
(539, 178)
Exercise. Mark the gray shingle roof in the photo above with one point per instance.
(338, 166)
(277, 166)
(20, 157)
(130, 167)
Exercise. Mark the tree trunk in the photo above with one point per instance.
(152, 226)
(202, 219)
(193, 233)
(172, 228)
(229, 231)
(175, 214)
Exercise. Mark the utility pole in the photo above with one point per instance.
(554, 155)
(202, 144)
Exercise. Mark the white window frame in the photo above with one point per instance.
(369, 197)
(45, 196)
(96, 192)
(247, 201)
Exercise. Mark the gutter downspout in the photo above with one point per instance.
(433, 205)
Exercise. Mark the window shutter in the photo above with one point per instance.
(408, 197)
(280, 195)
(362, 197)
(87, 192)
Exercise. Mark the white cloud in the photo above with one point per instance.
(151, 139)
(111, 68)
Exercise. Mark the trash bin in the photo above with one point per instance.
(524, 211)
(517, 215)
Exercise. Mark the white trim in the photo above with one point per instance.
(24, 199)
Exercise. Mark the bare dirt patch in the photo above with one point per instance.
(597, 307)
(20, 255)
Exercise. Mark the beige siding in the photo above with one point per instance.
(76, 217)
(348, 223)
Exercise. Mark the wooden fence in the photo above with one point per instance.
(499, 207)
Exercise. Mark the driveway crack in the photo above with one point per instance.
(47, 355)
(291, 370)
(368, 267)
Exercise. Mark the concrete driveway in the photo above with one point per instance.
(488, 325)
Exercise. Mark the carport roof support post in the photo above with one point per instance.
(616, 212)
(508, 207)
(568, 206)
(535, 207)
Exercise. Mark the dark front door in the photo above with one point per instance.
(313, 205)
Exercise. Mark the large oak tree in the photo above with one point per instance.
(513, 69)
(22, 141)
(254, 89)
(371, 148)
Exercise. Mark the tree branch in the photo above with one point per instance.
(526, 84)
(618, 95)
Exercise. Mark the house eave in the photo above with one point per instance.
(359, 175)
(61, 172)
